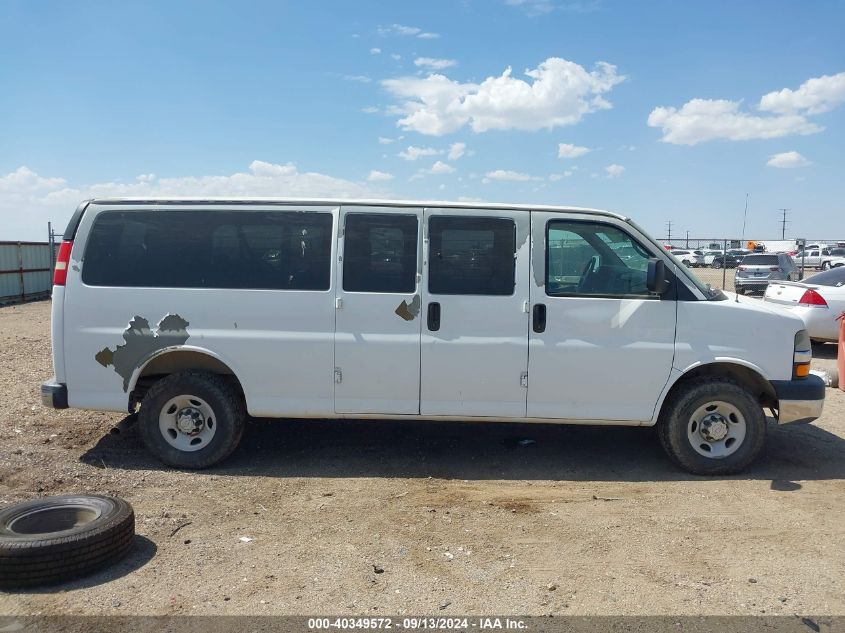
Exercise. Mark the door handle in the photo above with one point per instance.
(538, 318)
(434, 316)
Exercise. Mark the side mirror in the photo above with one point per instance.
(656, 276)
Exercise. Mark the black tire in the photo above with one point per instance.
(54, 539)
(678, 410)
(825, 265)
(220, 394)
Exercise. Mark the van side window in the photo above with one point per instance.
(380, 253)
(274, 250)
(471, 256)
(593, 259)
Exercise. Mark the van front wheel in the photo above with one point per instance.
(192, 419)
(712, 427)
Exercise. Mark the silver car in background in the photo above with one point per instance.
(755, 271)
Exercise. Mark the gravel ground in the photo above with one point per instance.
(389, 518)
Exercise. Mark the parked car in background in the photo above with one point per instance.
(818, 300)
(809, 258)
(685, 257)
(698, 259)
(710, 255)
(755, 271)
(834, 257)
(724, 261)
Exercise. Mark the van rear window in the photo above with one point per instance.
(270, 250)
(760, 260)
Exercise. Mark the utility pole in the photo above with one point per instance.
(783, 223)
(669, 231)
(687, 246)
(744, 216)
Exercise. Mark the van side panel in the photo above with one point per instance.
(278, 343)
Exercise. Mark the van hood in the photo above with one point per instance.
(758, 305)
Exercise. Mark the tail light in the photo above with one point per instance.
(802, 355)
(62, 262)
(741, 268)
(775, 269)
(812, 299)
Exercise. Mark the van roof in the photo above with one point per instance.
(354, 202)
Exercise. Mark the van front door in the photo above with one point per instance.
(601, 345)
(377, 331)
(475, 323)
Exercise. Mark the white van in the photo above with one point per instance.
(204, 311)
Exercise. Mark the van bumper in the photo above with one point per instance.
(54, 394)
(799, 400)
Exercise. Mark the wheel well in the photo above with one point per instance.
(175, 361)
(760, 387)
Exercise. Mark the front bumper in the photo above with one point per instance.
(54, 394)
(799, 400)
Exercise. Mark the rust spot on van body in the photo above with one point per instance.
(140, 341)
(409, 311)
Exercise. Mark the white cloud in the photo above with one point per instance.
(359, 78)
(413, 153)
(702, 120)
(532, 7)
(369, 110)
(614, 171)
(383, 140)
(510, 176)
(406, 31)
(787, 160)
(375, 51)
(814, 96)
(379, 176)
(28, 200)
(434, 63)
(559, 92)
(396, 56)
(784, 113)
(567, 150)
(440, 168)
(566, 174)
(456, 150)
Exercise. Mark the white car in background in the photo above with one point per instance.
(818, 300)
(833, 258)
(709, 256)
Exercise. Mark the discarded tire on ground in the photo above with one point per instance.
(55, 539)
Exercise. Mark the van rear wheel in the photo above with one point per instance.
(712, 427)
(192, 419)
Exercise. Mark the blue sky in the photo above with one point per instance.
(660, 110)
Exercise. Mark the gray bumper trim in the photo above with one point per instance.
(54, 395)
(796, 411)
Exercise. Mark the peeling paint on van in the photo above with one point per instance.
(140, 342)
(409, 311)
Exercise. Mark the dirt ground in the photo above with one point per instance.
(461, 518)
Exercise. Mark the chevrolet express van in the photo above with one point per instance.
(196, 313)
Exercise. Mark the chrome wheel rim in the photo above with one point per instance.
(716, 429)
(187, 423)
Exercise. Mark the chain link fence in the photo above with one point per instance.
(711, 267)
